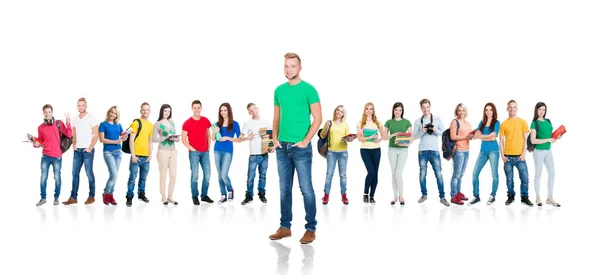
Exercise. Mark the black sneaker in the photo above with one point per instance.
(142, 197)
(475, 200)
(511, 199)
(207, 199)
(195, 200)
(261, 196)
(372, 200)
(365, 198)
(247, 199)
(525, 200)
(129, 201)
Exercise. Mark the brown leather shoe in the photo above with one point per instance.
(70, 201)
(309, 237)
(280, 234)
(90, 200)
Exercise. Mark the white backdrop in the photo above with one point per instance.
(126, 52)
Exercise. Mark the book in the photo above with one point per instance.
(561, 130)
(402, 140)
(33, 139)
(349, 137)
(369, 132)
(403, 134)
(473, 132)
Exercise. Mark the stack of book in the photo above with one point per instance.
(403, 139)
(266, 137)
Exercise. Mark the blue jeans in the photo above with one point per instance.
(493, 157)
(223, 162)
(143, 166)
(290, 159)
(432, 157)
(199, 159)
(459, 160)
(523, 175)
(81, 158)
(45, 165)
(262, 162)
(371, 159)
(342, 160)
(113, 161)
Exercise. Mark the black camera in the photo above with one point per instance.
(429, 128)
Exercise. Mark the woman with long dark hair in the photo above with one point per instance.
(165, 134)
(224, 132)
(399, 131)
(487, 132)
(541, 137)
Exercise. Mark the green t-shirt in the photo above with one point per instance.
(294, 110)
(397, 126)
(543, 131)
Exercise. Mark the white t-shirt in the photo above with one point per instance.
(83, 128)
(253, 126)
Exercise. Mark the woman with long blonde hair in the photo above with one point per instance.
(337, 150)
(369, 131)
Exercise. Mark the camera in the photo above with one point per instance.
(429, 128)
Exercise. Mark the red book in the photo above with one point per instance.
(404, 134)
(473, 132)
(33, 139)
(559, 132)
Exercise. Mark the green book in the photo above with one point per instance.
(369, 132)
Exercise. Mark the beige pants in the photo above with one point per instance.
(167, 160)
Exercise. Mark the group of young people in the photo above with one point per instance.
(295, 102)
(512, 149)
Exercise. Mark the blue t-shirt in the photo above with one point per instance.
(227, 146)
(490, 146)
(112, 132)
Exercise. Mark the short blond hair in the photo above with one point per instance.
(293, 55)
(82, 99)
(423, 101)
(456, 110)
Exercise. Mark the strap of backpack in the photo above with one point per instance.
(139, 128)
(457, 126)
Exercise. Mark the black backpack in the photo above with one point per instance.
(448, 145)
(65, 142)
(531, 146)
(125, 146)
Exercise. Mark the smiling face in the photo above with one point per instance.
(541, 111)
(145, 111)
(197, 109)
(253, 111)
(81, 106)
(223, 112)
(292, 68)
(398, 112)
(166, 113)
(426, 109)
(48, 113)
(112, 114)
(512, 109)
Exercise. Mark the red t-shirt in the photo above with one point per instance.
(196, 133)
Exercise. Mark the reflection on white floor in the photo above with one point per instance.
(356, 238)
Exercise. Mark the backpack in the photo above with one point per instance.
(323, 143)
(125, 146)
(448, 145)
(65, 142)
(531, 146)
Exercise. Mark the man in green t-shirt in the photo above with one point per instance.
(294, 102)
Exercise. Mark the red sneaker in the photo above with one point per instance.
(325, 199)
(344, 199)
(111, 199)
(456, 200)
(105, 199)
(462, 196)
